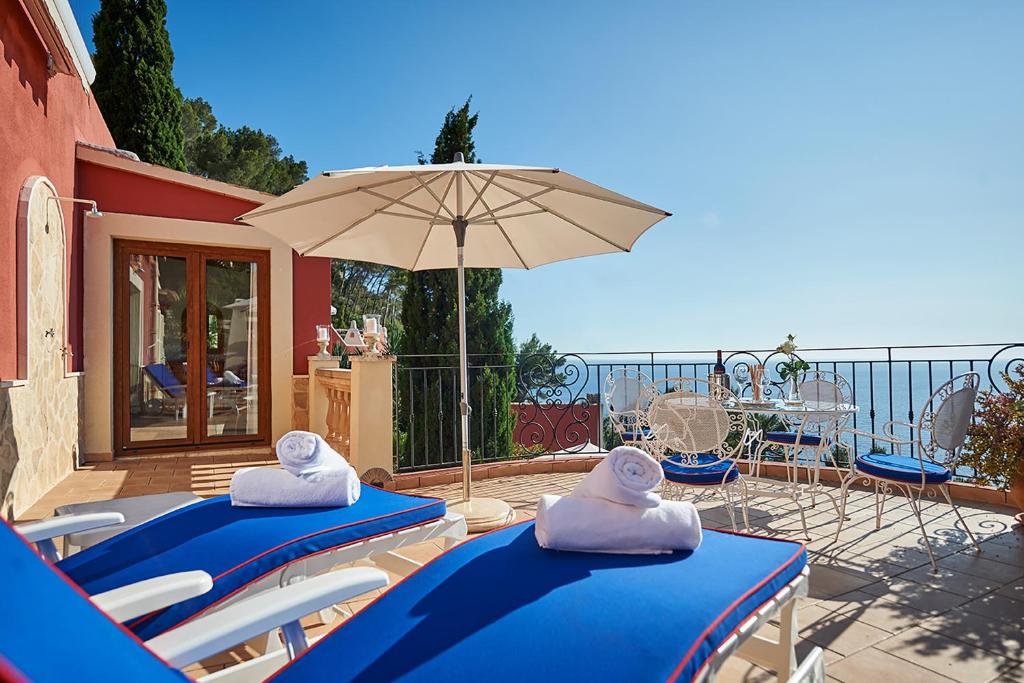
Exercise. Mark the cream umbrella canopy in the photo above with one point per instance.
(455, 215)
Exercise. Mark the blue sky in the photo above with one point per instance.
(850, 172)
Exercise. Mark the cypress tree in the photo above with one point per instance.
(430, 326)
(134, 86)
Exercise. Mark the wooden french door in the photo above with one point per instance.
(191, 346)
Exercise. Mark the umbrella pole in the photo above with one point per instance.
(482, 514)
(467, 464)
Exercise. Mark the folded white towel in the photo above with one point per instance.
(627, 475)
(273, 487)
(307, 455)
(594, 525)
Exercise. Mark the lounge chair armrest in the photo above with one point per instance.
(216, 632)
(143, 597)
(62, 525)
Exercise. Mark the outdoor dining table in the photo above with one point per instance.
(798, 417)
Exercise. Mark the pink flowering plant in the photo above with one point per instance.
(995, 442)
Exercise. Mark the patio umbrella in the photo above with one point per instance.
(455, 215)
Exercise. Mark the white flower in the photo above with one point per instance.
(788, 347)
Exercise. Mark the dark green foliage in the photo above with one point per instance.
(358, 288)
(539, 366)
(242, 156)
(134, 86)
(430, 326)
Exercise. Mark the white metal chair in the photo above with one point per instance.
(628, 393)
(698, 440)
(818, 432)
(939, 436)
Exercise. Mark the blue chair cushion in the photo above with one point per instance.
(636, 435)
(550, 618)
(235, 545)
(790, 438)
(902, 468)
(708, 475)
(50, 632)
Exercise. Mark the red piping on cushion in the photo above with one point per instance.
(736, 603)
(75, 587)
(396, 584)
(152, 615)
(9, 674)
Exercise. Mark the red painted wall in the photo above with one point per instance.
(41, 117)
(311, 306)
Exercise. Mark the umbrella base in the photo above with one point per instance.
(484, 514)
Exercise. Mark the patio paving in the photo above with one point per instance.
(874, 605)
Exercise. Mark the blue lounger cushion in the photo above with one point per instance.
(708, 475)
(790, 438)
(500, 608)
(50, 632)
(235, 545)
(902, 468)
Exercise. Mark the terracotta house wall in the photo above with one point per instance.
(42, 117)
(311, 277)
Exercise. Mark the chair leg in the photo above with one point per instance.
(744, 506)
(915, 506)
(881, 491)
(728, 507)
(803, 520)
(945, 493)
(844, 490)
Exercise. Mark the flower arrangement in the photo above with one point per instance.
(995, 442)
(792, 368)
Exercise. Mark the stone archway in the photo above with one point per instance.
(39, 416)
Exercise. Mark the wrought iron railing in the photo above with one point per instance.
(557, 406)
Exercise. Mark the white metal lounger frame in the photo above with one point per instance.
(776, 655)
(379, 551)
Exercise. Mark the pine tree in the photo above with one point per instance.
(134, 86)
(430, 326)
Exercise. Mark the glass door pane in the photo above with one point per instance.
(231, 348)
(156, 297)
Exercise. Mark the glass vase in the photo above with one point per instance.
(793, 397)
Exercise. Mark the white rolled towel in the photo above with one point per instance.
(594, 525)
(308, 456)
(627, 475)
(273, 487)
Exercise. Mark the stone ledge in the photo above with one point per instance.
(450, 475)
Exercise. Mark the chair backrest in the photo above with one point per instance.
(824, 389)
(944, 419)
(627, 394)
(50, 631)
(694, 418)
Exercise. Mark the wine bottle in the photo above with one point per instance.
(721, 378)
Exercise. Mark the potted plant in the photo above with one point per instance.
(995, 442)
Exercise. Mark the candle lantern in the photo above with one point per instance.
(323, 339)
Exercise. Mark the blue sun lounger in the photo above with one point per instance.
(496, 608)
(251, 549)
